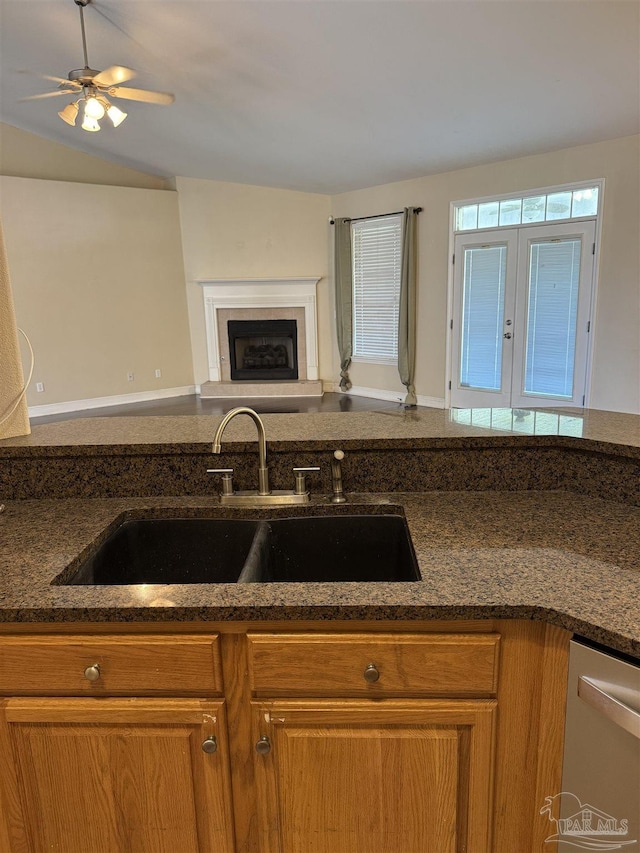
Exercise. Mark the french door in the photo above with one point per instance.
(521, 316)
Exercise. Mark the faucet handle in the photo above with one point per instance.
(227, 478)
(301, 474)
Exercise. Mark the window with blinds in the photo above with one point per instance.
(377, 250)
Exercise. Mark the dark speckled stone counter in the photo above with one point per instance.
(513, 514)
(595, 453)
(569, 560)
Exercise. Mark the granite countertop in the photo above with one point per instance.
(608, 432)
(568, 559)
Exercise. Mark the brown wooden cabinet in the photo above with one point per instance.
(96, 774)
(390, 774)
(107, 775)
(396, 776)
(438, 740)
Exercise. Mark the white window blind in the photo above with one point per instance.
(377, 251)
(552, 311)
(483, 317)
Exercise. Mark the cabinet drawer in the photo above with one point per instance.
(374, 664)
(124, 665)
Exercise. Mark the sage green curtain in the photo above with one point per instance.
(408, 303)
(343, 278)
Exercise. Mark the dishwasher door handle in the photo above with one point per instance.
(613, 709)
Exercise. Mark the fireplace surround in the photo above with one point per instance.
(262, 299)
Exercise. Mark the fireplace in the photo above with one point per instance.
(263, 349)
(260, 300)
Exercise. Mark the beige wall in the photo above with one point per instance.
(240, 231)
(92, 321)
(98, 284)
(25, 155)
(616, 367)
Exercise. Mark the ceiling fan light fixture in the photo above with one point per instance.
(93, 108)
(70, 113)
(90, 124)
(90, 86)
(116, 115)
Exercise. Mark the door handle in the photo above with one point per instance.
(613, 709)
(507, 335)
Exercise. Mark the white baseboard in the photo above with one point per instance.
(431, 402)
(116, 400)
(376, 393)
(390, 396)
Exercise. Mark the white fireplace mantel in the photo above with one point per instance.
(260, 293)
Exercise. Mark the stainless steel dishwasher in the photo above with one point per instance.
(600, 798)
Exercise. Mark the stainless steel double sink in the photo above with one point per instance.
(321, 548)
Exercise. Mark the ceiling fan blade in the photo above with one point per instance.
(50, 94)
(60, 80)
(142, 95)
(113, 76)
(63, 81)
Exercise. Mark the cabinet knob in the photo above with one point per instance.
(263, 747)
(92, 673)
(210, 745)
(371, 673)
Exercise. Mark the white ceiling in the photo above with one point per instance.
(332, 95)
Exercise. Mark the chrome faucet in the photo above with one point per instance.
(263, 470)
(264, 496)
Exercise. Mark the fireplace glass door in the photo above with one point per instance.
(263, 349)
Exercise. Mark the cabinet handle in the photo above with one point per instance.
(263, 747)
(210, 745)
(92, 673)
(371, 673)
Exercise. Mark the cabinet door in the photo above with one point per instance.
(391, 776)
(108, 775)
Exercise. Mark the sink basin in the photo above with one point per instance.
(331, 549)
(171, 550)
(323, 549)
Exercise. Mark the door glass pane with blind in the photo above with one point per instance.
(554, 280)
(484, 276)
(377, 251)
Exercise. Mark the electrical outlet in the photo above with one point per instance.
(130, 376)
(39, 387)
(158, 373)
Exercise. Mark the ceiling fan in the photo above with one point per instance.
(93, 87)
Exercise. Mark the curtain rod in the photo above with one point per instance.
(377, 216)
